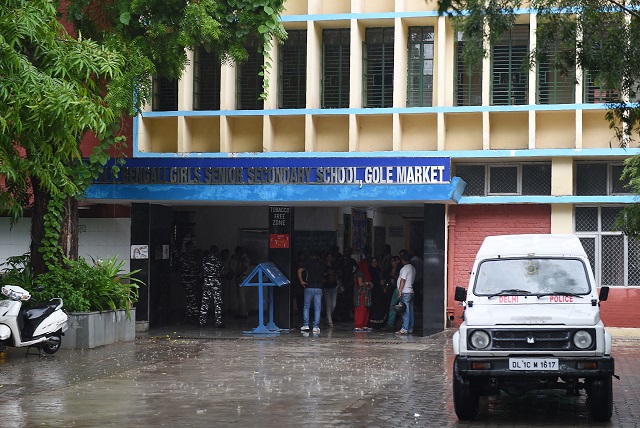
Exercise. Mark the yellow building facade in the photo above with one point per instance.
(383, 77)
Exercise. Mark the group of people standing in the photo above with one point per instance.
(364, 291)
(377, 288)
(202, 274)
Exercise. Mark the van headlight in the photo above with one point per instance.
(582, 339)
(479, 339)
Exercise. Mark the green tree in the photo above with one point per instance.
(55, 88)
(598, 36)
(50, 96)
(154, 35)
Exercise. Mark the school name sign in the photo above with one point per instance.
(282, 171)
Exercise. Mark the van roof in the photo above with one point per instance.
(538, 244)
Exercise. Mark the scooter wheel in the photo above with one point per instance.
(53, 345)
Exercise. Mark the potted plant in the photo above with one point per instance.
(98, 297)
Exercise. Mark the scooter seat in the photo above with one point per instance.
(39, 311)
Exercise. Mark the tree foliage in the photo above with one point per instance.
(155, 34)
(51, 94)
(598, 36)
(57, 87)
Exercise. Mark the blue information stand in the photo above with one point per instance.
(265, 275)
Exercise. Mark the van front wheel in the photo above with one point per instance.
(465, 398)
(600, 399)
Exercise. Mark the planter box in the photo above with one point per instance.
(91, 329)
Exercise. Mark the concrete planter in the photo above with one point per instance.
(91, 329)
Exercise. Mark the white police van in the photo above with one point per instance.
(532, 322)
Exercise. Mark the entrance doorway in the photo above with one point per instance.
(321, 229)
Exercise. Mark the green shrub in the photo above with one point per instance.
(17, 271)
(83, 287)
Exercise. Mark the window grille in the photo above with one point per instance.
(609, 215)
(600, 178)
(591, 179)
(589, 245)
(468, 85)
(378, 68)
(506, 179)
(420, 74)
(250, 79)
(165, 94)
(336, 50)
(474, 176)
(510, 73)
(586, 219)
(555, 86)
(619, 185)
(595, 90)
(633, 270)
(596, 94)
(613, 256)
(503, 180)
(206, 80)
(536, 179)
(292, 90)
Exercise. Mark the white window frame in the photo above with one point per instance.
(597, 235)
(610, 179)
(610, 166)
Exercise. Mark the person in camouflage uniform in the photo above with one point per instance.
(189, 275)
(212, 287)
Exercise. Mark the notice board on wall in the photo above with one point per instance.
(313, 240)
(359, 229)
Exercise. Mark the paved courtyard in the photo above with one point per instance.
(206, 378)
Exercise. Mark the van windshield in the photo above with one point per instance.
(532, 276)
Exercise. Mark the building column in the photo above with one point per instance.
(434, 265)
(451, 286)
(151, 226)
(281, 236)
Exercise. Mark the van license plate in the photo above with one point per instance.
(533, 364)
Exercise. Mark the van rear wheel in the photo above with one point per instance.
(600, 399)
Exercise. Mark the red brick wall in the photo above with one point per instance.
(470, 224)
(620, 310)
(126, 123)
(126, 129)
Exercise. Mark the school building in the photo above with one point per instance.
(373, 132)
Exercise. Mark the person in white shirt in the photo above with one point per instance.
(405, 291)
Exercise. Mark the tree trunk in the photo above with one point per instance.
(40, 202)
(69, 233)
(68, 239)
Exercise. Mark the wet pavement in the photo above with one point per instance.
(213, 377)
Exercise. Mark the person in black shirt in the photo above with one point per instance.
(330, 290)
(347, 267)
(311, 278)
